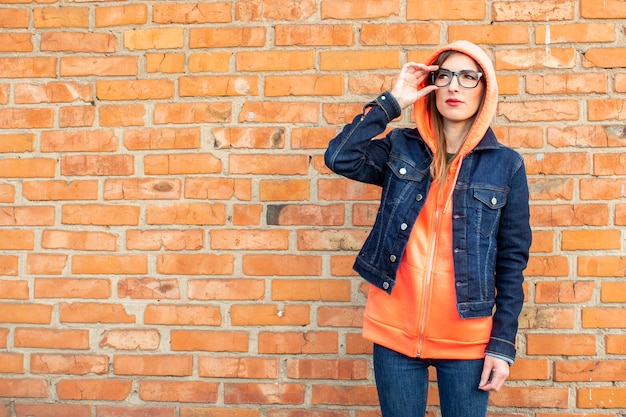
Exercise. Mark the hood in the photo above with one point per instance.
(486, 112)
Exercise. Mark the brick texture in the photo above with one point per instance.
(171, 243)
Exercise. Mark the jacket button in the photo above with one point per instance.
(404, 226)
(402, 171)
(494, 201)
(385, 285)
(419, 197)
(392, 258)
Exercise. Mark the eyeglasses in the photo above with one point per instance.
(466, 78)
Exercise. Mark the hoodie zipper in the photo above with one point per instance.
(431, 257)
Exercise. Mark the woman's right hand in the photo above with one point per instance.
(412, 74)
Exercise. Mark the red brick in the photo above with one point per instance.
(227, 367)
(560, 344)
(327, 369)
(179, 391)
(152, 365)
(209, 341)
(94, 313)
(69, 364)
(263, 393)
(461, 10)
(94, 389)
(531, 397)
(344, 395)
(269, 315)
(601, 397)
(191, 315)
(253, 10)
(314, 35)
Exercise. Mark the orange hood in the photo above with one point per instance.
(485, 113)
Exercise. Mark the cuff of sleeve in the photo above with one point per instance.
(504, 358)
(388, 103)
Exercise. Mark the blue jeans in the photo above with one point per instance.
(402, 384)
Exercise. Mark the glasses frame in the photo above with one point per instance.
(458, 77)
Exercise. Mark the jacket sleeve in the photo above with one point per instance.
(514, 239)
(354, 153)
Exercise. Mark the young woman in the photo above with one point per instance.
(451, 238)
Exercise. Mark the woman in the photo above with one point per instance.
(451, 236)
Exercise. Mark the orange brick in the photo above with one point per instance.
(609, 9)
(314, 35)
(179, 391)
(192, 112)
(46, 264)
(152, 365)
(135, 89)
(531, 397)
(303, 214)
(79, 141)
(93, 214)
(94, 313)
(540, 110)
(27, 168)
(200, 264)
(217, 86)
(60, 190)
(131, 339)
(340, 316)
(102, 43)
(327, 369)
(589, 371)
(183, 315)
(209, 62)
(400, 34)
(581, 32)
(249, 138)
(275, 61)
(227, 37)
(26, 118)
(606, 109)
(72, 288)
(192, 213)
(601, 397)
(518, 59)
(579, 136)
(263, 393)
(590, 239)
(216, 341)
(27, 216)
(101, 66)
(613, 292)
(263, 112)
(346, 190)
(560, 344)
(79, 116)
(61, 17)
(602, 266)
(14, 18)
(615, 344)
(304, 85)
(609, 318)
(51, 339)
(129, 14)
(359, 60)
(161, 38)
(11, 363)
(247, 215)
(97, 165)
(122, 115)
(564, 292)
(604, 58)
(344, 395)
(142, 189)
(192, 13)
(284, 190)
(69, 364)
(15, 290)
(165, 63)
(246, 367)
(566, 84)
(298, 343)
(460, 10)
(306, 290)
(546, 318)
(23, 388)
(94, 389)
(16, 42)
(541, 11)
(270, 315)
(490, 34)
(28, 67)
(148, 288)
(252, 10)
(225, 289)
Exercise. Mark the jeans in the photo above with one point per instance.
(402, 384)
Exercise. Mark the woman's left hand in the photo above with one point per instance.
(495, 372)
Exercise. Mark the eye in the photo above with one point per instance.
(470, 75)
(443, 75)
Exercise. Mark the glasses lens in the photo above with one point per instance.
(466, 78)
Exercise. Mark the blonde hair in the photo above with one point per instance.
(441, 163)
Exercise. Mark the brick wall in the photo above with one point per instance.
(171, 244)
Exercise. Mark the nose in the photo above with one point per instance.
(454, 83)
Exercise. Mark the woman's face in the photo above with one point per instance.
(456, 103)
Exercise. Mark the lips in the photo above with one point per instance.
(453, 102)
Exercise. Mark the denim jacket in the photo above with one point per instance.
(490, 219)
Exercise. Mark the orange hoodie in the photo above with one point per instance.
(419, 318)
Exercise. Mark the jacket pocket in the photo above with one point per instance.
(488, 205)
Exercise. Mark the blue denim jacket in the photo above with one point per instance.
(490, 220)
